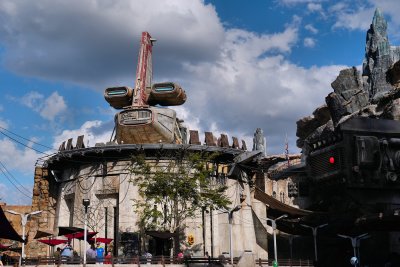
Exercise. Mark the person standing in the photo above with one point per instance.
(99, 254)
(108, 258)
(91, 253)
(67, 251)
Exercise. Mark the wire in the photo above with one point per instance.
(4, 129)
(41, 152)
(5, 174)
(12, 176)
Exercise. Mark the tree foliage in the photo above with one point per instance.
(173, 190)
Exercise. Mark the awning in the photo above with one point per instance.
(277, 205)
(7, 231)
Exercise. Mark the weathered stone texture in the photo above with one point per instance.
(378, 58)
(348, 96)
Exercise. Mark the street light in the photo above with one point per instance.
(314, 231)
(230, 219)
(273, 222)
(24, 220)
(355, 241)
(86, 203)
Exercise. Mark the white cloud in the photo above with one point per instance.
(93, 131)
(53, 106)
(311, 28)
(236, 80)
(357, 20)
(10, 152)
(33, 100)
(49, 38)
(309, 42)
(314, 7)
(48, 108)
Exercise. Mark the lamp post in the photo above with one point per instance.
(354, 242)
(24, 220)
(86, 203)
(273, 222)
(230, 219)
(314, 231)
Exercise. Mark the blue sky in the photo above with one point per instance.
(243, 65)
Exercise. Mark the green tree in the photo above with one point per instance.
(172, 190)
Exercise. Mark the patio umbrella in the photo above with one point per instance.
(53, 242)
(43, 233)
(102, 240)
(4, 246)
(65, 230)
(80, 235)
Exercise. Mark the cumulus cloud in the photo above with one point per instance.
(314, 7)
(53, 106)
(96, 42)
(26, 156)
(249, 88)
(48, 108)
(311, 28)
(236, 80)
(93, 131)
(309, 42)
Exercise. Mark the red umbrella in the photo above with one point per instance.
(4, 246)
(80, 235)
(102, 240)
(53, 242)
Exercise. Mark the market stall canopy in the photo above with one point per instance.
(7, 231)
(53, 242)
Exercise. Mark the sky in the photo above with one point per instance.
(244, 65)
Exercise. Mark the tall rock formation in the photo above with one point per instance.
(374, 93)
(379, 57)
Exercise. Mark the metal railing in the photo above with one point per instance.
(285, 262)
(163, 260)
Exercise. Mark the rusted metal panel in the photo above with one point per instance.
(235, 143)
(167, 94)
(62, 147)
(244, 147)
(224, 140)
(209, 139)
(194, 137)
(79, 142)
(69, 145)
(119, 97)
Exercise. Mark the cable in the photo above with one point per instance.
(4, 129)
(14, 184)
(41, 152)
(12, 176)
